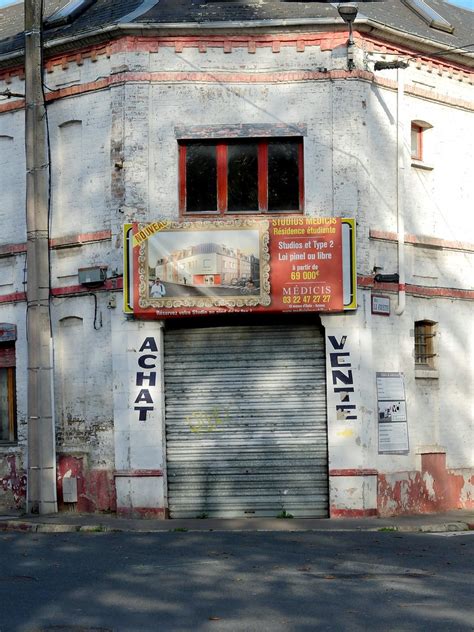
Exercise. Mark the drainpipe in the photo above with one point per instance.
(399, 66)
(400, 195)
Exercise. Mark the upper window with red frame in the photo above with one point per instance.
(418, 136)
(254, 175)
(416, 142)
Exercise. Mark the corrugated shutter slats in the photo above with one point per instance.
(246, 421)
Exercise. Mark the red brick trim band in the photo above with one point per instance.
(14, 297)
(416, 290)
(353, 472)
(326, 41)
(116, 284)
(202, 77)
(12, 106)
(8, 250)
(109, 286)
(137, 473)
(353, 513)
(83, 238)
(423, 240)
(237, 78)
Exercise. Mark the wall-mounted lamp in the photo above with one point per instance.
(387, 278)
(348, 12)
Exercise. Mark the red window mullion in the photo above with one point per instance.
(182, 178)
(11, 403)
(221, 155)
(419, 136)
(301, 175)
(263, 176)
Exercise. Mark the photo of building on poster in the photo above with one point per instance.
(204, 266)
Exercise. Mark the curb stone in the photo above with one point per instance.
(34, 527)
(56, 528)
(16, 525)
(435, 528)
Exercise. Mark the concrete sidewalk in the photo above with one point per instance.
(72, 522)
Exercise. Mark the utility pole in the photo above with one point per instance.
(41, 485)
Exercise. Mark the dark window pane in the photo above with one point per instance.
(283, 184)
(201, 178)
(242, 177)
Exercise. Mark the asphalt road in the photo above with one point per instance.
(236, 582)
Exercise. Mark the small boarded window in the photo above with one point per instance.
(8, 428)
(425, 334)
(416, 142)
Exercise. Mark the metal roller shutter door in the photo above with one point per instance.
(246, 421)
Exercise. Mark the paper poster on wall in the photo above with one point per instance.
(284, 264)
(392, 414)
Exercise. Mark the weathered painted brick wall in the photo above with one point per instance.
(12, 458)
(114, 159)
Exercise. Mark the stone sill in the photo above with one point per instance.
(419, 164)
(426, 374)
(430, 449)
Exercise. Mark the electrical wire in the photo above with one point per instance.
(48, 149)
(449, 51)
(96, 312)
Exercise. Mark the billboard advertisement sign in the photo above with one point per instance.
(286, 264)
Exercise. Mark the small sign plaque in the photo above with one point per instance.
(380, 305)
(392, 414)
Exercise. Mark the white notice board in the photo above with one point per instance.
(392, 414)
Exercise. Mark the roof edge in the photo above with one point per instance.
(367, 24)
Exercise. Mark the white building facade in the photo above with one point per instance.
(251, 414)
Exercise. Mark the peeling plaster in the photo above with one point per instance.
(467, 492)
(14, 483)
(434, 489)
(429, 483)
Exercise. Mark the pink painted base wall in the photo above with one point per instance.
(95, 488)
(434, 489)
(12, 483)
(156, 513)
